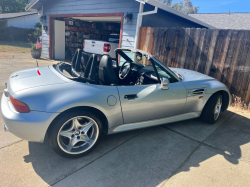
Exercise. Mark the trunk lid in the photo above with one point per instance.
(32, 77)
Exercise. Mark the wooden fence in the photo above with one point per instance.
(16, 34)
(222, 54)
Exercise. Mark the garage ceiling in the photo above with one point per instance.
(106, 19)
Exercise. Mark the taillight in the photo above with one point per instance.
(83, 45)
(19, 106)
(106, 47)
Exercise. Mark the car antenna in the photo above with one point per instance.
(37, 63)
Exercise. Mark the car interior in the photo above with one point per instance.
(136, 69)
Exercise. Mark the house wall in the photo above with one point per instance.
(165, 19)
(27, 22)
(92, 7)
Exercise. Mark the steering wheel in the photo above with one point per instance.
(124, 70)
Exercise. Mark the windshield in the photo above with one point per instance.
(135, 57)
(147, 64)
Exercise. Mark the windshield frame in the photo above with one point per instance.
(166, 68)
(149, 56)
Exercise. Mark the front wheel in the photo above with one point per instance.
(75, 134)
(212, 109)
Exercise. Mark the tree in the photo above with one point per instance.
(185, 6)
(36, 34)
(168, 2)
(12, 6)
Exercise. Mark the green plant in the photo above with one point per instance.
(33, 48)
(36, 34)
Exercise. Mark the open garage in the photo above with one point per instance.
(66, 24)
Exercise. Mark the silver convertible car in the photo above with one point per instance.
(76, 103)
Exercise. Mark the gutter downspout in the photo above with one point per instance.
(139, 21)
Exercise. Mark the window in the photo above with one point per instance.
(165, 74)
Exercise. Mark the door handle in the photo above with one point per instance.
(130, 96)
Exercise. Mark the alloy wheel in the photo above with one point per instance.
(217, 108)
(78, 135)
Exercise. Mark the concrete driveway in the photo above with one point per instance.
(188, 153)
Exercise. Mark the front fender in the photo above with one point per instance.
(195, 103)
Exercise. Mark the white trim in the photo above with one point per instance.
(139, 21)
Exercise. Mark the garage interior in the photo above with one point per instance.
(70, 32)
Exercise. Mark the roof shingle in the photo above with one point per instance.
(239, 21)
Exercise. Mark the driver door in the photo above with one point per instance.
(148, 102)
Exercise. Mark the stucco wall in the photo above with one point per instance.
(91, 7)
(27, 22)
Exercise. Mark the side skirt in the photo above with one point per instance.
(144, 124)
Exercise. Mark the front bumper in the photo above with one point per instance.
(30, 126)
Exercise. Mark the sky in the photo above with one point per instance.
(222, 6)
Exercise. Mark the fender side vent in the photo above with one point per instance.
(194, 92)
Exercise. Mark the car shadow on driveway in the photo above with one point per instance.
(146, 157)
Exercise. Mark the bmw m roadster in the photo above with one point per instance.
(76, 103)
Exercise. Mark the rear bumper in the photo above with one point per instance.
(30, 126)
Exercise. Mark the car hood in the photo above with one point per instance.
(33, 77)
(189, 75)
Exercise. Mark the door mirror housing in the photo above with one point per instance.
(164, 83)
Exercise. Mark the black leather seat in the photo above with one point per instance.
(106, 72)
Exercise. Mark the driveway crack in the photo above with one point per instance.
(200, 144)
(11, 144)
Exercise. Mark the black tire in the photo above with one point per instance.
(207, 114)
(58, 123)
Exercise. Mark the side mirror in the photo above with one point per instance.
(164, 83)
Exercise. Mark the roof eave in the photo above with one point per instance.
(178, 13)
(7, 18)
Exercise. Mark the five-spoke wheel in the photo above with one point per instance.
(217, 108)
(75, 134)
(212, 109)
(78, 135)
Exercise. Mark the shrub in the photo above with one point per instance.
(36, 34)
(33, 48)
(237, 102)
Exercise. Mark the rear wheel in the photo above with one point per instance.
(212, 109)
(75, 134)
